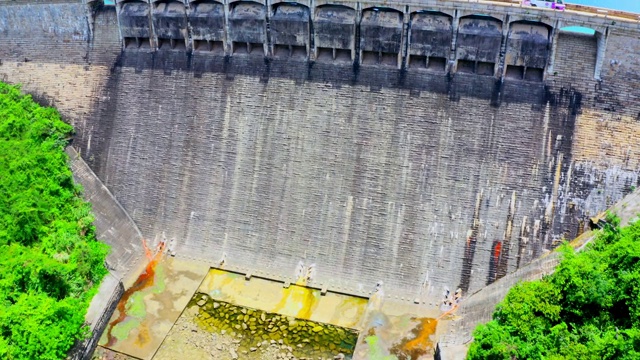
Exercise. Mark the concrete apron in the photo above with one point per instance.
(388, 329)
(149, 308)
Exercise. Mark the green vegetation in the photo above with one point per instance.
(589, 308)
(50, 262)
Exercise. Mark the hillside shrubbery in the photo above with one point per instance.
(589, 308)
(50, 262)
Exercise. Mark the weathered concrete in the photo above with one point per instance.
(170, 24)
(335, 29)
(127, 97)
(479, 307)
(207, 25)
(356, 183)
(134, 24)
(421, 179)
(481, 38)
(248, 27)
(381, 36)
(430, 40)
(478, 44)
(527, 50)
(290, 30)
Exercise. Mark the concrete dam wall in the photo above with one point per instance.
(369, 168)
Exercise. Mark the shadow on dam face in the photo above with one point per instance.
(375, 77)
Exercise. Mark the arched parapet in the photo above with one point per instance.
(207, 22)
(532, 19)
(527, 50)
(382, 5)
(274, 3)
(135, 26)
(495, 16)
(120, 2)
(248, 27)
(334, 32)
(381, 36)
(478, 44)
(434, 10)
(290, 24)
(430, 36)
(170, 24)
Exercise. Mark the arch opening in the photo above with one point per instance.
(246, 8)
(430, 37)
(480, 16)
(134, 25)
(206, 19)
(478, 44)
(335, 30)
(247, 28)
(380, 36)
(290, 24)
(528, 46)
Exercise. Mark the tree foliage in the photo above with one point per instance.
(50, 262)
(589, 308)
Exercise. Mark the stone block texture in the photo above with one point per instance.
(370, 184)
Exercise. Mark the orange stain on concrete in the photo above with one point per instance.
(145, 280)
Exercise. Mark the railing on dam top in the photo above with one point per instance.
(500, 38)
(573, 8)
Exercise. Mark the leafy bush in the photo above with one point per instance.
(50, 262)
(589, 308)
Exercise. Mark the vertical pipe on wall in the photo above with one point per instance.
(554, 45)
(266, 41)
(404, 41)
(500, 69)
(313, 51)
(228, 46)
(356, 51)
(454, 38)
(407, 44)
(118, 5)
(310, 39)
(601, 38)
(153, 38)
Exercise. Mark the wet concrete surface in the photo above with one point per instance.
(150, 307)
(394, 330)
(294, 300)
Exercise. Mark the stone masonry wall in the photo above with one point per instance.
(604, 154)
(369, 183)
(49, 51)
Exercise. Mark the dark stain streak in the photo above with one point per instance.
(470, 248)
